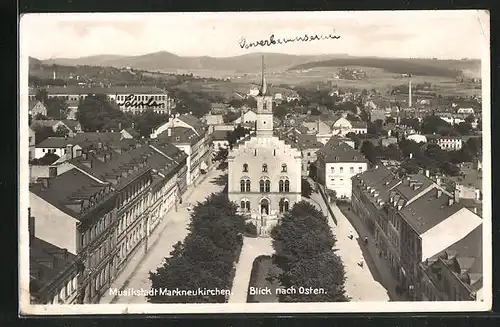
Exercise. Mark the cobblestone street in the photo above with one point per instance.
(172, 229)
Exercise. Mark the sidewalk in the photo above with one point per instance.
(362, 283)
(370, 252)
(252, 248)
(171, 229)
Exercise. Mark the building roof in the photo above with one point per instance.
(53, 142)
(219, 135)
(103, 90)
(378, 181)
(306, 141)
(408, 190)
(70, 192)
(429, 210)
(338, 151)
(132, 132)
(194, 122)
(33, 103)
(358, 124)
(48, 262)
(180, 135)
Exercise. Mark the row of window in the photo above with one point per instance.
(131, 215)
(142, 97)
(98, 255)
(132, 191)
(131, 241)
(66, 292)
(265, 186)
(284, 168)
(96, 229)
(351, 170)
(284, 205)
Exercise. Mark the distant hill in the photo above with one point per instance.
(422, 67)
(166, 61)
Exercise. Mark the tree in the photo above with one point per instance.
(376, 127)
(464, 128)
(313, 171)
(230, 116)
(42, 95)
(303, 244)
(236, 134)
(280, 111)
(390, 120)
(57, 108)
(61, 131)
(207, 256)
(332, 195)
(364, 115)
(42, 133)
(145, 122)
(250, 229)
(433, 124)
(306, 188)
(96, 113)
(221, 154)
(48, 159)
(368, 150)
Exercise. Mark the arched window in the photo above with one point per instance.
(245, 168)
(247, 184)
(284, 205)
(287, 185)
(261, 186)
(248, 205)
(268, 186)
(281, 186)
(243, 204)
(264, 168)
(242, 185)
(283, 168)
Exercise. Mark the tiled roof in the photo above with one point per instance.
(469, 252)
(219, 135)
(358, 124)
(305, 141)
(341, 152)
(132, 132)
(381, 180)
(180, 135)
(193, 122)
(47, 263)
(33, 103)
(68, 190)
(104, 90)
(54, 142)
(428, 211)
(406, 188)
(48, 123)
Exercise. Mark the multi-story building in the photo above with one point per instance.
(264, 176)
(103, 205)
(53, 271)
(337, 163)
(308, 145)
(448, 143)
(190, 135)
(413, 219)
(36, 107)
(129, 99)
(31, 144)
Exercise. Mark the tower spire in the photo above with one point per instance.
(263, 86)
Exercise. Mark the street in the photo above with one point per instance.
(171, 230)
(362, 283)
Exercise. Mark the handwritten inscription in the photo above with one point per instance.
(131, 102)
(244, 44)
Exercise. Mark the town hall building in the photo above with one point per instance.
(264, 176)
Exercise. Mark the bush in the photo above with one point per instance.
(306, 189)
(250, 229)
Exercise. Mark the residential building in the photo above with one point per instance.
(415, 220)
(468, 111)
(337, 163)
(37, 108)
(130, 133)
(343, 126)
(417, 138)
(219, 108)
(247, 116)
(103, 205)
(31, 144)
(308, 145)
(448, 143)
(53, 271)
(264, 176)
(129, 99)
(71, 127)
(219, 140)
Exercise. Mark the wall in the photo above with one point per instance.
(54, 226)
(339, 181)
(40, 152)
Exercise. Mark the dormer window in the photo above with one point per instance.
(283, 168)
(264, 168)
(245, 168)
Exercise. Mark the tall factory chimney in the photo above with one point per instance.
(409, 91)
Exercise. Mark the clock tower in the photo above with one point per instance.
(264, 122)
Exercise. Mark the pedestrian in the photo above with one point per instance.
(366, 240)
(350, 235)
(361, 262)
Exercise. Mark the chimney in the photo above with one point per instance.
(169, 131)
(31, 224)
(99, 145)
(427, 173)
(69, 151)
(456, 195)
(85, 155)
(439, 192)
(450, 202)
(53, 171)
(133, 125)
(438, 180)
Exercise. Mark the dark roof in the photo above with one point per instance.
(381, 179)
(54, 142)
(193, 122)
(48, 263)
(104, 90)
(73, 124)
(358, 124)
(69, 191)
(33, 103)
(133, 132)
(306, 141)
(429, 210)
(406, 188)
(219, 135)
(469, 251)
(180, 135)
(339, 151)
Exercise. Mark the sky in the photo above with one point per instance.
(398, 34)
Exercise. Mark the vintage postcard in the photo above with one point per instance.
(261, 162)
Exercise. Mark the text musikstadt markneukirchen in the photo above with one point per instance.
(169, 292)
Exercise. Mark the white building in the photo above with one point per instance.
(417, 138)
(248, 116)
(449, 143)
(337, 164)
(465, 111)
(343, 126)
(264, 172)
